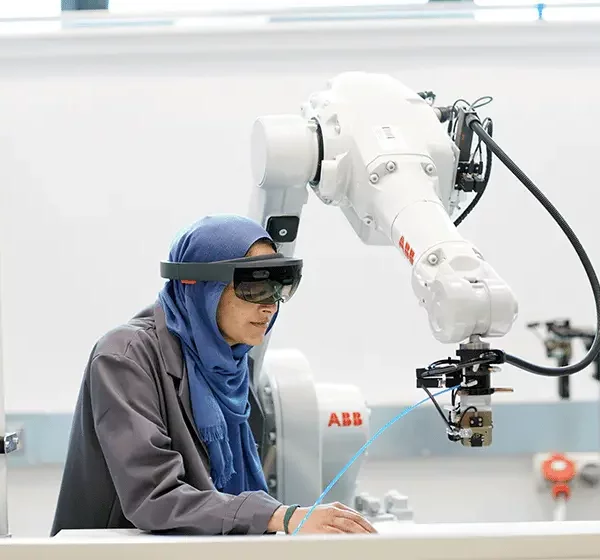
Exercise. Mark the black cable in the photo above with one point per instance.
(438, 407)
(462, 416)
(585, 261)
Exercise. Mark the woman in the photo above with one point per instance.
(160, 439)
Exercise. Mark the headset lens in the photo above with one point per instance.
(267, 285)
(265, 291)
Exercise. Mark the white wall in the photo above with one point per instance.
(110, 144)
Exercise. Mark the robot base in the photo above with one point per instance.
(313, 431)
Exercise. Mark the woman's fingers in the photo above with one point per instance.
(333, 530)
(352, 515)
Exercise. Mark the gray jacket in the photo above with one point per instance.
(135, 459)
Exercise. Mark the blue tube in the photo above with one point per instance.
(359, 453)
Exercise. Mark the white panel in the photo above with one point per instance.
(504, 541)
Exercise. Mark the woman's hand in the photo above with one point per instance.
(329, 518)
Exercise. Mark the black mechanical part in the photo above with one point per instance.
(464, 136)
(428, 96)
(477, 382)
(319, 132)
(470, 374)
(256, 420)
(590, 474)
(476, 422)
(477, 440)
(558, 343)
(564, 387)
(263, 425)
(283, 229)
(479, 375)
(454, 436)
(469, 176)
(9, 443)
(449, 372)
(444, 113)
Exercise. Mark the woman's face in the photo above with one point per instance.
(242, 322)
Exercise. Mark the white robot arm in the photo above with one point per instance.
(376, 149)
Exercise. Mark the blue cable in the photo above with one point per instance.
(361, 450)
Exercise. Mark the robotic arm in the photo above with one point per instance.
(377, 150)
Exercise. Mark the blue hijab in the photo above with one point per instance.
(218, 374)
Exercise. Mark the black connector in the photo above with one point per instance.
(464, 134)
(444, 114)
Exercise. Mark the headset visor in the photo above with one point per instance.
(266, 279)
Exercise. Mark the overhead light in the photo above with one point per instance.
(572, 14)
(508, 15)
(222, 22)
(135, 6)
(28, 27)
(27, 9)
(532, 3)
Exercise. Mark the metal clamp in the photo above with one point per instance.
(9, 443)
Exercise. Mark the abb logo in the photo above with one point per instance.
(345, 419)
(409, 252)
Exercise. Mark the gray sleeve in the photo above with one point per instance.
(147, 472)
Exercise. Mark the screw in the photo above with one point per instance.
(368, 220)
(374, 178)
(272, 482)
(267, 390)
(391, 166)
(283, 232)
(432, 259)
(429, 169)
(272, 437)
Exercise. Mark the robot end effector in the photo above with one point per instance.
(378, 151)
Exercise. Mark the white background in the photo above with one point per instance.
(110, 144)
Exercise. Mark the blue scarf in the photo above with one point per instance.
(218, 374)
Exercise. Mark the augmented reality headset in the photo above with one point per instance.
(264, 279)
